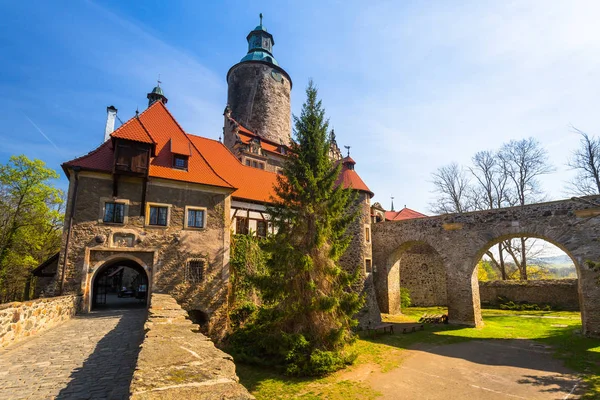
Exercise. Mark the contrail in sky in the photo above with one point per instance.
(40, 131)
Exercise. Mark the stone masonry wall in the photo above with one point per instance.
(259, 102)
(163, 250)
(21, 320)
(177, 362)
(422, 272)
(358, 251)
(559, 293)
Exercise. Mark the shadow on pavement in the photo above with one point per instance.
(108, 371)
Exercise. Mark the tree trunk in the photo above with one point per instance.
(501, 260)
(523, 260)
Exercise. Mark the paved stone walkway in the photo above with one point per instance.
(92, 356)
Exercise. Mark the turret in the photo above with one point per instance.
(258, 92)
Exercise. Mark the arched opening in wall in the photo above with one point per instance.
(527, 273)
(120, 284)
(418, 268)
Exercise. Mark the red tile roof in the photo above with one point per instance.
(158, 124)
(209, 163)
(246, 136)
(405, 213)
(132, 130)
(350, 179)
(253, 184)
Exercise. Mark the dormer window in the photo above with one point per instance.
(180, 162)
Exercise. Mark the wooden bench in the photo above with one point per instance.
(385, 328)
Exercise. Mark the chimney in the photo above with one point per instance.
(111, 115)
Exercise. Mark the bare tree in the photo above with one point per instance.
(491, 189)
(523, 161)
(586, 161)
(452, 188)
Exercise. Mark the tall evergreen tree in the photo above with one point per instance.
(308, 306)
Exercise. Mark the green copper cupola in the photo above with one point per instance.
(260, 45)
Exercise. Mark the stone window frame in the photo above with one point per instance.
(367, 233)
(368, 265)
(147, 215)
(102, 210)
(195, 208)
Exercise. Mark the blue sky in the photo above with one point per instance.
(409, 85)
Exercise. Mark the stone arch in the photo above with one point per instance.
(470, 314)
(122, 259)
(410, 256)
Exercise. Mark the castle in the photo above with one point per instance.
(156, 206)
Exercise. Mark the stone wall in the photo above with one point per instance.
(177, 362)
(161, 251)
(559, 293)
(358, 253)
(21, 320)
(259, 102)
(422, 272)
(461, 240)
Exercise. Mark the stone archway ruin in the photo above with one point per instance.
(461, 240)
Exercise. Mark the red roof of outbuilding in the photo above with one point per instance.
(405, 213)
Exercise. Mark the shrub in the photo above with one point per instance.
(405, 300)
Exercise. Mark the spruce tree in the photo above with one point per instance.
(306, 317)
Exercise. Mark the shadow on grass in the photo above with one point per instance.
(508, 341)
(513, 341)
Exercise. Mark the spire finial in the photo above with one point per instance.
(158, 80)
(348, 148)
(260, 15)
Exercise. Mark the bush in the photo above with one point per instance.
(506, 304)
(405, 300)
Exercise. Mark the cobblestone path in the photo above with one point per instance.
(92, 356)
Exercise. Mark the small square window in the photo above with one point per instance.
(158, 215)
(368, 266)
(194, 270)
(195, 218)
(114, 213)
(248, 162)
(180, 162)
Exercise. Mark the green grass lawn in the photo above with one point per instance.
(557, 329)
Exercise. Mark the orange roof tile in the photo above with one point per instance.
(180, 147)
(132, 130)
(405, 213)
(252, 183)
(246, 136)
(158, 125)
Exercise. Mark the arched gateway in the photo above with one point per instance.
(461, 240)
(119, 280)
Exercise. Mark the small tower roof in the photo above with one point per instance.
(156, 94)
(260, 45)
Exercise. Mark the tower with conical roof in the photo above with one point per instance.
(258, 92)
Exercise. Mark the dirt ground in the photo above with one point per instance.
(491, 370)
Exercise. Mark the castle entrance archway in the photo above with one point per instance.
(121, 283)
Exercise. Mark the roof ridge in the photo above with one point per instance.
(138, 118)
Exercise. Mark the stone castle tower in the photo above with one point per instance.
(258, 93)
